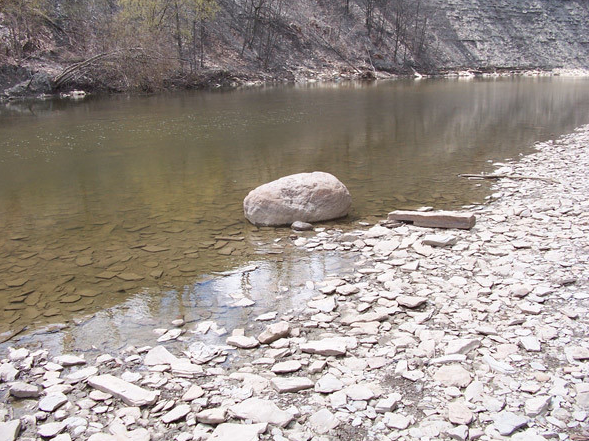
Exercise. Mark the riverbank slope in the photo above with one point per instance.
(484, 338)
(119, 49)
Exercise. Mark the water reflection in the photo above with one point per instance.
(272, 286)
(108, 198)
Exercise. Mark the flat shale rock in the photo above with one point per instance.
(81, 374)
(323, 421)
(49, 430)
(8, 372)
(130, 394)
(439, 240)
(461, 346)
(286, 367)
(194, 392)
(130, 277)
(69, 360)
(9, 430)
(435, 219)
(159, 355)
(397, 421)
(359, 392)
(453, 375)
(216, 415)
(388, 404)
(51, 402)
(291, 384)
(242, 342)
(411, 301)
(537, 405)
(458, 413)
(274, 332)
(177, 413)
(238, 432)
(24, 390)
(326, 347)
(329, 383)
(508, 422)
(261, 411)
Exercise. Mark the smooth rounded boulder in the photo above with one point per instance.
(304, 197)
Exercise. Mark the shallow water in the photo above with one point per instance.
(124, 207)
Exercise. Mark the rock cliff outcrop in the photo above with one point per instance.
(501, 33)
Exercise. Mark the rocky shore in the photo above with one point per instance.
(437, 334)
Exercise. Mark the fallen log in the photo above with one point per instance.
(515, 177)
(435, 219)
(69, 71)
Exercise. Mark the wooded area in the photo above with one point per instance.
(144, 44)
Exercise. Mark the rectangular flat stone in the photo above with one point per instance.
(130, 394)
(435, 219)
(291, 384)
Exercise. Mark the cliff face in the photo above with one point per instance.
(512, 34)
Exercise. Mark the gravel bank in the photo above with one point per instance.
(481, 335)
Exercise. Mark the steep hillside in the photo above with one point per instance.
(118, 45)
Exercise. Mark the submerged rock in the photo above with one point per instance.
(304, 197)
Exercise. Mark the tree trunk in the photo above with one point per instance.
(202, 43)
(179, 36)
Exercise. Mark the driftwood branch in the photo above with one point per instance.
(68, 73)
(515, 177)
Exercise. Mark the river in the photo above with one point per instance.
(118, 213)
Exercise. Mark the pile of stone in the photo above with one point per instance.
(437, 334)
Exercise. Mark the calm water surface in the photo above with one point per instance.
(117, 212)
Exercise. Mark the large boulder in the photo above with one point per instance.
(305, 197)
